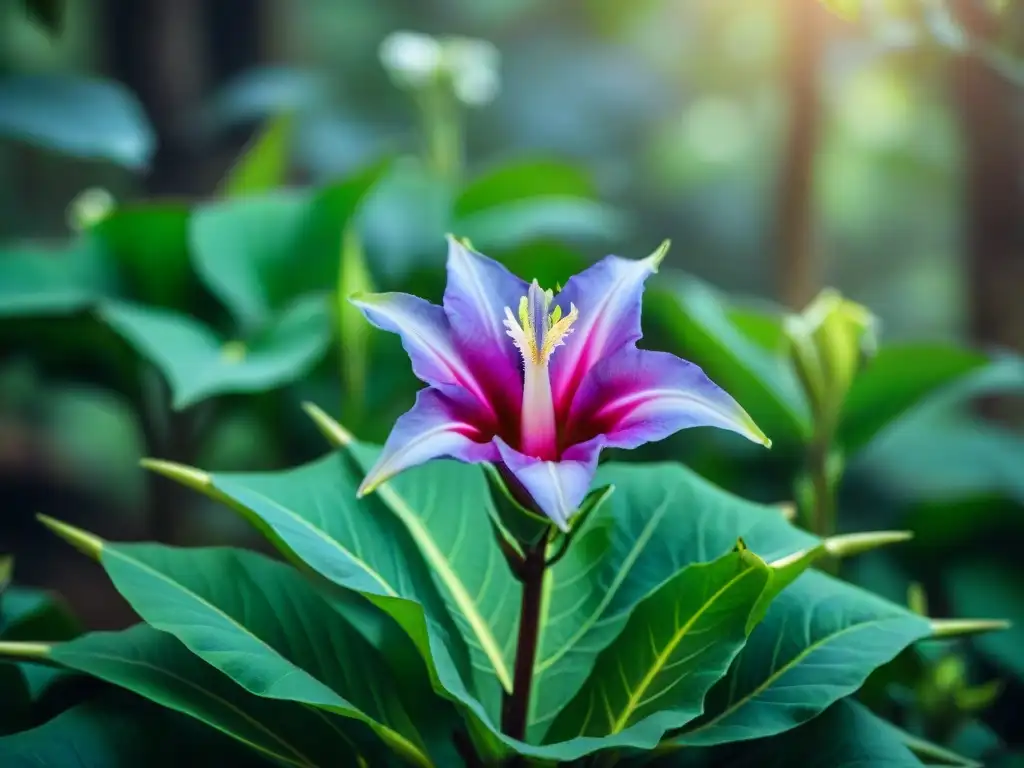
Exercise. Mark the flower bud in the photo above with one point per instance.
(828, 343)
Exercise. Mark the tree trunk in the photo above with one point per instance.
(993, 157)
(798, 262)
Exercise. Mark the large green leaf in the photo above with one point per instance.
(660, 519)
(898, 378)
(443, 508)
(525, 200)
(759, 378)
(148, 244)
(944, 458)
(675, 646)
(259, 253)
(37, 280)
(120, 732)
(819, 641)
(519, 180)
(198, 364)
(157, 666)
(77, 116)
(848, 735)
(261, 623)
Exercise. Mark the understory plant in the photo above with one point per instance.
(481, 592)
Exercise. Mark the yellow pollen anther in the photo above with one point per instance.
(538, 343)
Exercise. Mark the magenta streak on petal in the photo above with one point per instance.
(437, 425)
(637, 396)
(608, 295)
(426, 336)
(475, 298)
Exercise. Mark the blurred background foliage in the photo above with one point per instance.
(192, 188)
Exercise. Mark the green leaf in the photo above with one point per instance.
(944, 459)
(660, 519)
(148, 243)
(760, 379)
(525, 200)
(78, 116)
(262, 624)
(848, 735)
(521, 180)
(675, 646)
(443, 507)
(198, 364)
(819, 641)
(34, 614)
(35, 280)
(898, 378)
(116, 731)
(158, 667)
(259, 253)
(263, 165)
(521, 221)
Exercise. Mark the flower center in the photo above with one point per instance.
(537, 332)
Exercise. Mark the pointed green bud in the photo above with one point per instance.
(332, 430)
(179, 473)
(917, 599)
(19, 651)
(942, 628)
(828, 342)
(81, 540)
(849, 544)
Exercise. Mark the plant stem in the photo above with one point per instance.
(517, 704)
(442, 127)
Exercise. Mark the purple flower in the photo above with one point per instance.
(539, 383)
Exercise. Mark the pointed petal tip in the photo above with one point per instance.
(659, 255)
(83, 541)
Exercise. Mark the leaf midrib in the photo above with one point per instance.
(444, 570)
(307, 762)
(389, 591)
(791, 664)
(385, 731)
(660, 661)
(627, 565)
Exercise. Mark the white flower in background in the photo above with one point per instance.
(473, 67)
(411, 58)
(89, 208)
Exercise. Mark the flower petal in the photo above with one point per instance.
(437, 425)
(607, 296)
(637, 396)
(557, 487)
(478, 291)
(426, 337)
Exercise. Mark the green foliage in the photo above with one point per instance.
(77, 116)
(678, 623)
